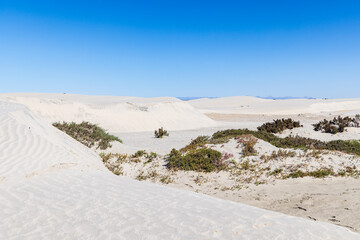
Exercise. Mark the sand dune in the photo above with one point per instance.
(52, 187)
(251, 105)
(117, 114)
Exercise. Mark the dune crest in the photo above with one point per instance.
(116, 114)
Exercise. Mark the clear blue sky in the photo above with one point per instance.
(181, 48)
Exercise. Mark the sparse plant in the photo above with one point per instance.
(141, 176)
(247, 141)
(320, 173)
(227, 156)
(160, 133)
(166, 179)
(139, 153)
(280, 154)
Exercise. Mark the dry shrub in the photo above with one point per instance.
(247, 143)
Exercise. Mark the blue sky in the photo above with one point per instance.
(181, 48)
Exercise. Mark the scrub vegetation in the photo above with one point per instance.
(88, 134)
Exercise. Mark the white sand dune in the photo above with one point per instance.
(252, 105)
(116, 114)
(52, 187)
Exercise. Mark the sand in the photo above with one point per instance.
(251, 105)
(52, 187)
(117, 114)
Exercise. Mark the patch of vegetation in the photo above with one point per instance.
(247, 143)
(296, 142)
(337, 124)
(201, 160)
(276, 172)
(279, 125)
(141, 176)
(320, 173)
(151, 156)
(166, 179)
(161, 133)
(138, 154)
(275, 155)
(88, 134)
(198, 142)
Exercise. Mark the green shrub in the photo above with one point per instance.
(161, 133)
(202, 160)
(321, 173)
(88, 134)
(337, 124)
(351, 147)
(279, 125)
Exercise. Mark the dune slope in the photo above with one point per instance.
(52, 187)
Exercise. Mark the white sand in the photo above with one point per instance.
(251, 105)
(117, 114)
(52, 187)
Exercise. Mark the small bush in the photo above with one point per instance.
(161, 133)
(138, 154)
(279, 125)
(247, 142)
(88, 134)
(202, 160)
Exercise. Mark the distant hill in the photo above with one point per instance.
(192, 98)
(286, 97)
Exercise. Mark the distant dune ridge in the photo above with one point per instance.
(52, 187)
(117, 114)
(253, 105)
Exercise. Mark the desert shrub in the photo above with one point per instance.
(202, 160)
(279, 125)
(247, 142)
(161, 133)
(88, 134)
(198, 142)
(338, 124)
(151, 156)
(138, 154)
(351, 147)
